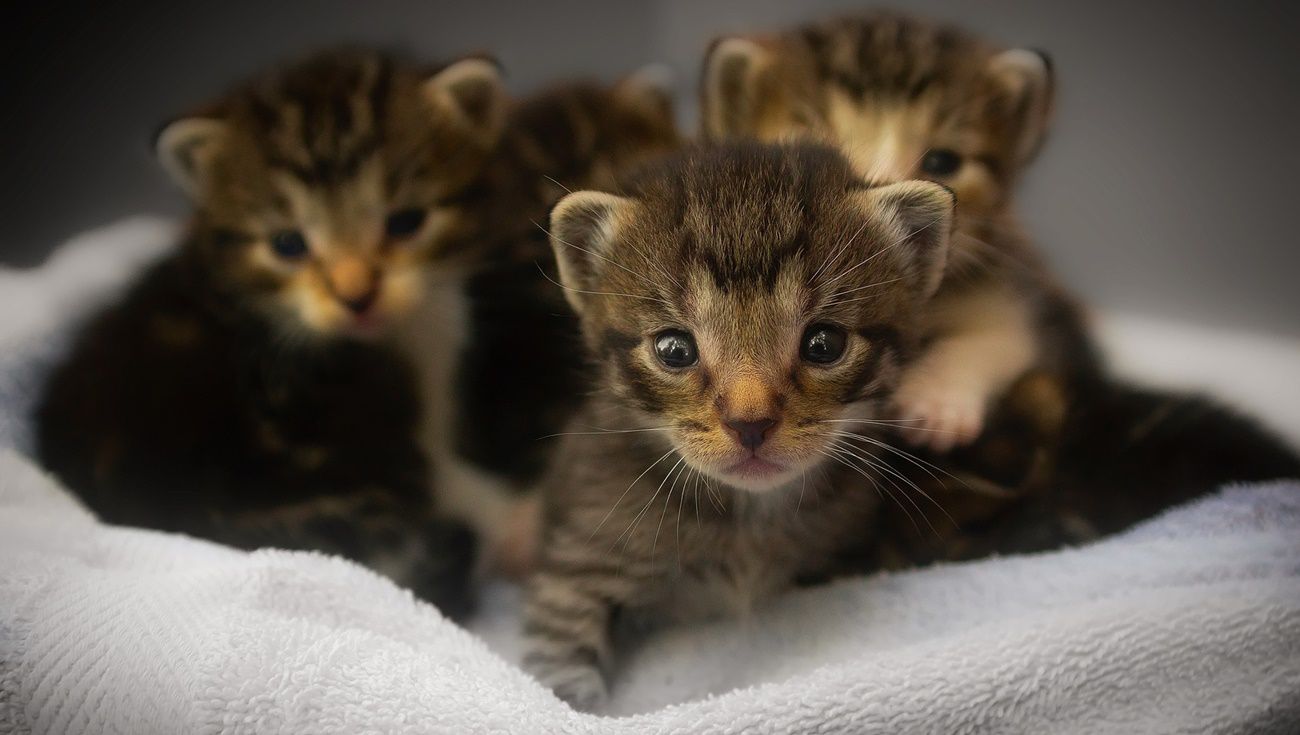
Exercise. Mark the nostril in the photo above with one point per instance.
(751, 434)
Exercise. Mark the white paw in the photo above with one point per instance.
(939, 413)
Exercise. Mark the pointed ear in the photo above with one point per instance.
(923, 214)
(470, 91)
(731, 87)
(1025, 79)
(187, 148)
(582, 230)
(649, 91)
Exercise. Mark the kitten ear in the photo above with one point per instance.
(923, 213)
(472, 93)
(582, 228)
(649, 91)
(187, 147)
(731, 87)
(1025, 79)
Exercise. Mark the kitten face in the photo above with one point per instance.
(746, 297)
(330, 186)
(903, 98)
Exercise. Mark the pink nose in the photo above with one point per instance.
(751, 434)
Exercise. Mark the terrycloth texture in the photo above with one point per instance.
(1190, 623)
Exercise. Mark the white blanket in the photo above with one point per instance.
(1190, 623)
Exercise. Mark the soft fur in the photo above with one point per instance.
(656, 500)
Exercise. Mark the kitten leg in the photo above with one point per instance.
(567, 618)
(987, 343)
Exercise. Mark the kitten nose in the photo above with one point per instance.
(355, 283)
(359, 304)
(751, 434)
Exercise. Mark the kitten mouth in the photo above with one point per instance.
(366, 325)
(755, 467)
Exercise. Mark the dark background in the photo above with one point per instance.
(1167, 188)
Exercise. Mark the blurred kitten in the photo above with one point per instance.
(519, 378)
(907, 99)
(242, 390)
(739, 304)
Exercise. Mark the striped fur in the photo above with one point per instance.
(652, 503)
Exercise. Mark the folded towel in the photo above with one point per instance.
(1188, 623)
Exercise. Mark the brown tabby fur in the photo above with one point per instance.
(744, 247)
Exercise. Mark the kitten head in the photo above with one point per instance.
(747, 297)
(902, 97)
(327, 187)
(579, 135)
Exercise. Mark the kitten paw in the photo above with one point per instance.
(939, 414)
(582, 687)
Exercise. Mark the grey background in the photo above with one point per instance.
(1166, 189)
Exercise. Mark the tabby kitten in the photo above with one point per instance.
(1067, 454)
(909, 99)
(242, 390)
(518, 363)
(738, 304)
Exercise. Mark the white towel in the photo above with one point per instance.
(1190, 623)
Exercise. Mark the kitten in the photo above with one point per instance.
(910, 99)
(739, 304)
(1066, 453)
(517, 366)
(242, 390)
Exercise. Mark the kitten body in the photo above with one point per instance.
(724, 304)
(243, 389)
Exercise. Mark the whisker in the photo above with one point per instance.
(607, 259)
(884, 467)
(625, 492)
(599, 432)
(557, 183)
(917, 461)
(884, 250)
(628, 532)
(601, 293)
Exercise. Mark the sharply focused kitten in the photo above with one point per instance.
(909, 99)
(242, 389)
(518, 380)
(741, 305)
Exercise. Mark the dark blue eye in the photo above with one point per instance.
(941, 162)
(675, 348)
(289, 244)
(404, 222)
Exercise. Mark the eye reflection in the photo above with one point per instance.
(823, 344)
(676, 348)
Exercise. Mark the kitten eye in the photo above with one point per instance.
(404, 222)
(289, 244)
(675, 348)
(941, 162)
(823, 344)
